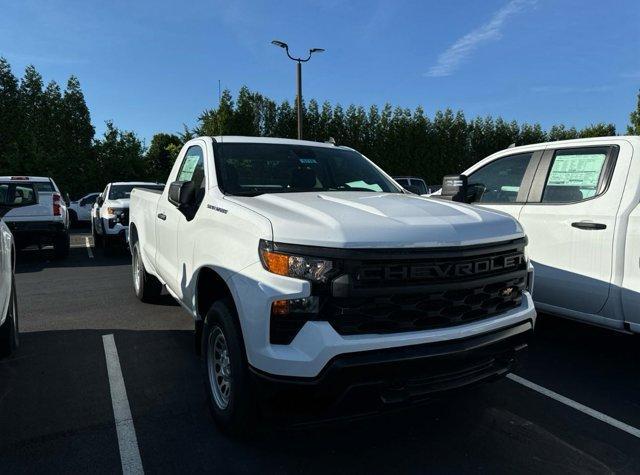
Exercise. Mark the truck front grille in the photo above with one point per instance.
(397, 313)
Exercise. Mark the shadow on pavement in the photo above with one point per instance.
(55, 399)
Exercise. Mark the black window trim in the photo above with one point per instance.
(527, 178)
(540, 180)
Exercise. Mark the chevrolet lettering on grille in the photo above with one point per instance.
(411, 272)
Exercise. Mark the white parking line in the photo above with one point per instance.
(87, 244)
(127, 440)
(576, 405)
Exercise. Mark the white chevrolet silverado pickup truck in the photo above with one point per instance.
(314, 279)
(578, 201)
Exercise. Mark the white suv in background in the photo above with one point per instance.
(110, 213)
(80, 210)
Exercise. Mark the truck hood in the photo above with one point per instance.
(362, 219)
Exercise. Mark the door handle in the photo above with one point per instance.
(589, 226)
(162, 216)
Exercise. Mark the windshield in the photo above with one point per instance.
(255, 168)
(119, 192)
(44, 186)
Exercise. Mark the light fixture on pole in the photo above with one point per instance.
(285, 46)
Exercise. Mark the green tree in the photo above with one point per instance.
(531, 134)
(119, 155)
(33, 124)
(598, 130)
(161, 155)
(10, 118)
(634, 119)
(560, 132)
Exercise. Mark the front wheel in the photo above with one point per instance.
(146, 286)
(97, 238)
(9, 334)
(230, 397)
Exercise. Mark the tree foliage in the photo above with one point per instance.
(400, 140)
(45, 130)
(634, 119)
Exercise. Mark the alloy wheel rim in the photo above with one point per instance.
(219, 368)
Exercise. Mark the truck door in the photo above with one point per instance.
(569, 219)
(170, 222)
(85, 205)
(503, 184)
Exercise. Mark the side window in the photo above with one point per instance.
(500, 180)
(575, 175)
(192, 169)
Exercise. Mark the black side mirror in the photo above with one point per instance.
(454, 188)
(412, 189)
(182, 194)
(100, 200)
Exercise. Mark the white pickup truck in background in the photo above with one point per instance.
(579, 203)
(43, 223)
(314, 277)
(110, 212)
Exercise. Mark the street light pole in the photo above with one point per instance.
(285, 46)
(299, 75)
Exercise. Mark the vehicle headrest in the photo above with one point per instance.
(303, 178)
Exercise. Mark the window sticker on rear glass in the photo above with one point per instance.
(309, 161)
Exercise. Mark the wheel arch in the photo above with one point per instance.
(133, 235)
(210, 287)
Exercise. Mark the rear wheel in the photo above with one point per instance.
(9, 331)
(61, 245)
(146, 286)
(73, 219)
(225, 371)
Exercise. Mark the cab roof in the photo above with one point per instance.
(273, 140)
(25, 178)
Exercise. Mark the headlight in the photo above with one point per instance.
(300, 267)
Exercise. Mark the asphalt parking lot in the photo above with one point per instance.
(57, 408)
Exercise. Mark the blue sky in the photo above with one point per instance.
(153, 65)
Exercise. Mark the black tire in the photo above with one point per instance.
(146, 286)
(61, 245)
(238, 414)
(73, 219)
(97, 238)
(9, 331)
